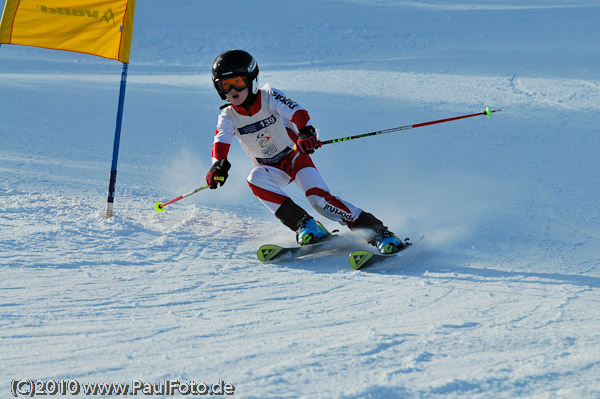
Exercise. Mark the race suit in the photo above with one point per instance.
(267, 131)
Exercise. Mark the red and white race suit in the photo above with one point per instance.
(267, 132)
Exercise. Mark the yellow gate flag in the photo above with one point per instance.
(98, 27)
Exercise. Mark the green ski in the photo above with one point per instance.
(269, 252)
(362, 259)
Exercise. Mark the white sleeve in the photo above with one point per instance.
(225, 129)
(284, 106)
(223, 136)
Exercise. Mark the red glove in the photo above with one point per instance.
(218, 173)
(307, 140)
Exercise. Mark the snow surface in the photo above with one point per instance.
(500, 301)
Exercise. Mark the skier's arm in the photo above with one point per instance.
(223, 137)
(218, 173)
(290, 110)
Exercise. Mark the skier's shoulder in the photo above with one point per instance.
(277, 97)
(226, 111)
(269, 90)
(225, 118)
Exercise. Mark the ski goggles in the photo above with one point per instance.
(237, 82)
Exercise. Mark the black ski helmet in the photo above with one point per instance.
(235, 63)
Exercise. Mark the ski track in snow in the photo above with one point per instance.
(500, 299)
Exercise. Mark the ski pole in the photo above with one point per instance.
(487, 112)
(159, 206)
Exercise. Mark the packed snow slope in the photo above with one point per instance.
(501, 300)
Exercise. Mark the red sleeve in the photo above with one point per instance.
(220, 150)
(300, 118)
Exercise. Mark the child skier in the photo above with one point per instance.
(277, 134)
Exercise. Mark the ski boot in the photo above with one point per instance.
(379, 236)
(310, 231)
(387, 243)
